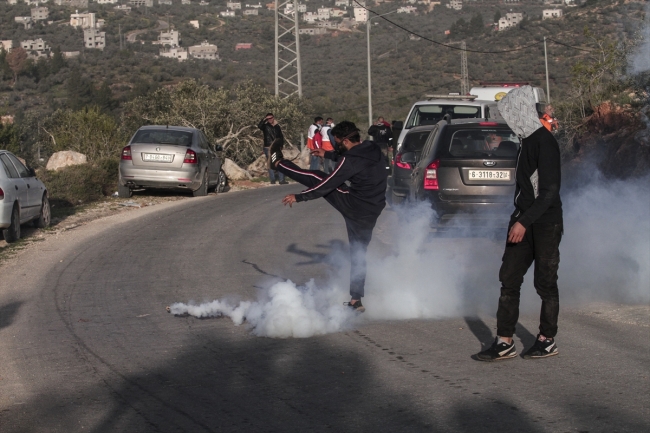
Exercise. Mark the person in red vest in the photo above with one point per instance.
(548, 120)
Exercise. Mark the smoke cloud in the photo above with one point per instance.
(283, 310)
(605, 256)
(640, 61)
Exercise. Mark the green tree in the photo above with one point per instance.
(87, 131)
(497, 16)
(9, 139)
(228, 117)
(17, 60)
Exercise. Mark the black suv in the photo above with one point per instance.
(467, 172)
(398, 183)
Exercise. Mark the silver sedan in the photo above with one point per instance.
(170, 157)
(23, 198)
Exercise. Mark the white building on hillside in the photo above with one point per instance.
(165, 2)
(312, 31)
(81, 4)
(85, 20)
(123, 8)
(145, 3)
(7, 45)
(337, 13)
(257, 6)
(204, 51)
(94, 39)
(35, 48)
(360, 14)
(510, 20)
(40, 13)
(251, 12)
(227, 13)
(323, 13)
(310, 17)
(407, 10)
(25, 21)
(106, 2)
(343, 3)
(233, 5)
(551, 13)
(456, 5)
(177, 53)
(171, 38)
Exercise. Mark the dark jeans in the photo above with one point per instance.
(541, 245)
(359, 228)
(273, 173)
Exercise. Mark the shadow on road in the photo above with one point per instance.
(334, 246)
(8, 312)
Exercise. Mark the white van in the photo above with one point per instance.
(496, 91)
(435, 107)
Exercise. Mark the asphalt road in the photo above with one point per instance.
(86, 344)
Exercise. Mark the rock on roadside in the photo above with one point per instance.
(64, 159)
(235, 172)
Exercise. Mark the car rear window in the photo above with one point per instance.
(433, 113)
(482, 142)
(414, 141)
(163, 136)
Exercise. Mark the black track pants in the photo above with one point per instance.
(541, 245)
(359, 227)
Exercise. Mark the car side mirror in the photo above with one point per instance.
(32, 172)
(409, 157)
(218, 148)
(398, 124)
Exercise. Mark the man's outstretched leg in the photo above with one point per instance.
(308, 178)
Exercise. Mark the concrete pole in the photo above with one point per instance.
(369, 75)
(277, 51)
(548, 88)
(298, 66)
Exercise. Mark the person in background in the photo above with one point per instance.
(328, 144)
(272, 134)
(314, 141)
(382, 135)
(548, 120)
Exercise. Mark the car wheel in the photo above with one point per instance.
(222, 182)
(124, 191)
(12, 233)
(45, 217)
(203, 189)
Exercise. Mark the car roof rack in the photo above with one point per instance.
(452, 97)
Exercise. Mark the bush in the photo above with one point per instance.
(80, 184)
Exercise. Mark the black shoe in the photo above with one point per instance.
(498, 351)
(272, 182)
(357, 306)
(542, 349)
(284, 182)
(275, 154)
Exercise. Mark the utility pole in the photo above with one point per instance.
(548, 87)
(464, 74)
(119, 26)
(288, 72)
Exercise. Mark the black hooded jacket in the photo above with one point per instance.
(364, 167)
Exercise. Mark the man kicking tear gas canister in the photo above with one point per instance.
(360, 203)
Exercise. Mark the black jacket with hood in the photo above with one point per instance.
(364, 167)
(538, 175)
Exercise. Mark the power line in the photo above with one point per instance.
(390, 100)
(468, 50)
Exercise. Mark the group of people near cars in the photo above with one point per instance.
(354, 182)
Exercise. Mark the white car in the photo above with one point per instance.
(23, 198)
(436, 107)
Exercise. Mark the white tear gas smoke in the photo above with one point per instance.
(640, 61)
(605, 256)
(283, 310)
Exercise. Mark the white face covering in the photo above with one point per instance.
(519, 110)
